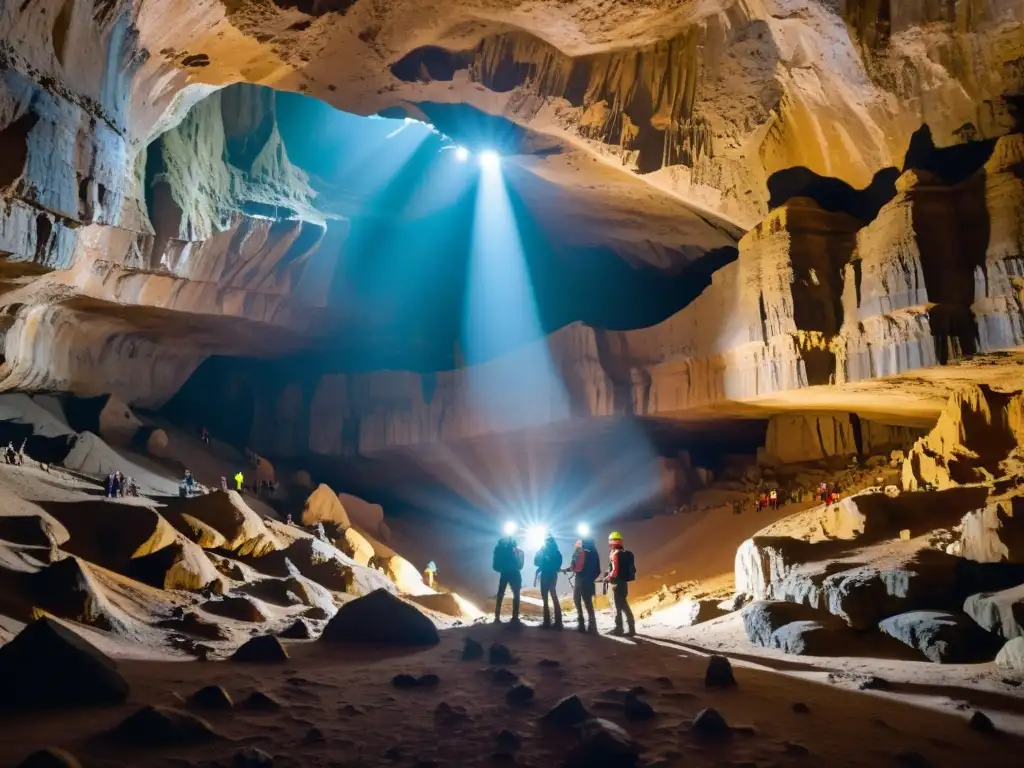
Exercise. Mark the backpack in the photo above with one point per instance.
(507, 557)
(591, 564)
(548, 559)
(627, 565)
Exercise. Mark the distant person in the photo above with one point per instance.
(223, 483)
(10, 455)
(189, 482)
(204, 435)
(548, 561)
(120, 482)
(288, 519)
(773, 498)
(833, 497)
(621, 571)
(430, 574)
(823, 492)
(238, 481)
(585, 567)
(113, 485)
(508, 563)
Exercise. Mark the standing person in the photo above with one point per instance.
(621, 571)
(586, 567)
(430, 573)
(773, 498)
(549, 562)
(238, 481)
(112, 485)
(508, 563)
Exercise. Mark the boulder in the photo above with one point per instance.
(301, 478)
(719, 673)
(471, 649)
(157, 443)
(709, 725)
(811, 638)
(368, 517)
(499, 654)
(520, 693)
(284, 592)
(48, 666)
(566, 713)
(190, 623)
(355, 545)
(181, 565)
(994, 533)
(762, 618)
(264, 649)
(442, 602)
(154, 726)
(603, 744)
(298, 630)
(116, 421)
(1011, 655)
(323, 506)
(51, 757)
(257, 701)
(380, 617)
(940, 637)
(241, 530)
(1001, 613)
(690, 612)
(211, 697)
(240, 608)
(405, 575)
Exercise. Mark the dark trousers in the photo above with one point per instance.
(583, 595)
(514, 580)
(548, 589)
(620, 594)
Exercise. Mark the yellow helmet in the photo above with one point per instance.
(614, 536)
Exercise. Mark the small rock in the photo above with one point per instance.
(550, 663)
(500, 654)
(251, 757)
(257, 701)
(800, 708)
(211, 697)
(314, 736)
(874, 684)
(795, 748)
(163, 727)
(708, 724)
(297, 631)
(447, 714)
(471, 649)
(393, 753)
(265, 649)
(507, 739)
(428, 680)
(404, 682)
(51, 757)
(664, 682)
(520, 693)
(981, 722)
(636, 708)
(503, 676)
(719, 673)
(603, 743)
(566, 713)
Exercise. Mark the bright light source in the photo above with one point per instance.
(461, 154)
(490, 160)
(510, 528)
(535, 536)
(583, 529)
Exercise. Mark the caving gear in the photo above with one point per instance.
(508, 563)
(621, 571)
(614, 536)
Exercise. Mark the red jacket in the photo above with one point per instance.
(613, 561)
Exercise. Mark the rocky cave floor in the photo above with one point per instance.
(884, 629)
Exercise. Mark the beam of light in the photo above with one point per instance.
(510, 528)
(490, 160)
(583, 530)
(461, 154)
(535, 536)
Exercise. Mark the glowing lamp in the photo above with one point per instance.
(490, 160)
(583, 529)
(461, 154)
(535, 536)
(510, 528)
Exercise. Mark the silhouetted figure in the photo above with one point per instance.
(549, 562)
(508, 563)
(10, 455)
(223, 483)
(430, 574)
(585, 567)
(621, 571)
(238, 481)
(823, 492)
(204, 435)
(113, 484)
(773, 498)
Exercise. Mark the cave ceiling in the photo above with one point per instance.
(161, 206)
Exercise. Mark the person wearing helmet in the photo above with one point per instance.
(621, 571)
(585, 567)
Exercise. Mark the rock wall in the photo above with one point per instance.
(811, 437)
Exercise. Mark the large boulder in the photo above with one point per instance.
(690, 612)
(355, 545)
(239, 528)
(380, 617)
(940, 637)
(1001, 613)
(1011, 655)
(157, 443)
(811, 638)
(48, 666)
(763, 618)
(182, 565)
(323, 506)
(369, 517)
(994, 533)
(116, 421)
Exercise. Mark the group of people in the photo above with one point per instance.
(767, 500)
(584, 571)
(12, 456)
(828, 494)
(118, 485)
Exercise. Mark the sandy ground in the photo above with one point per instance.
(315, 687)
